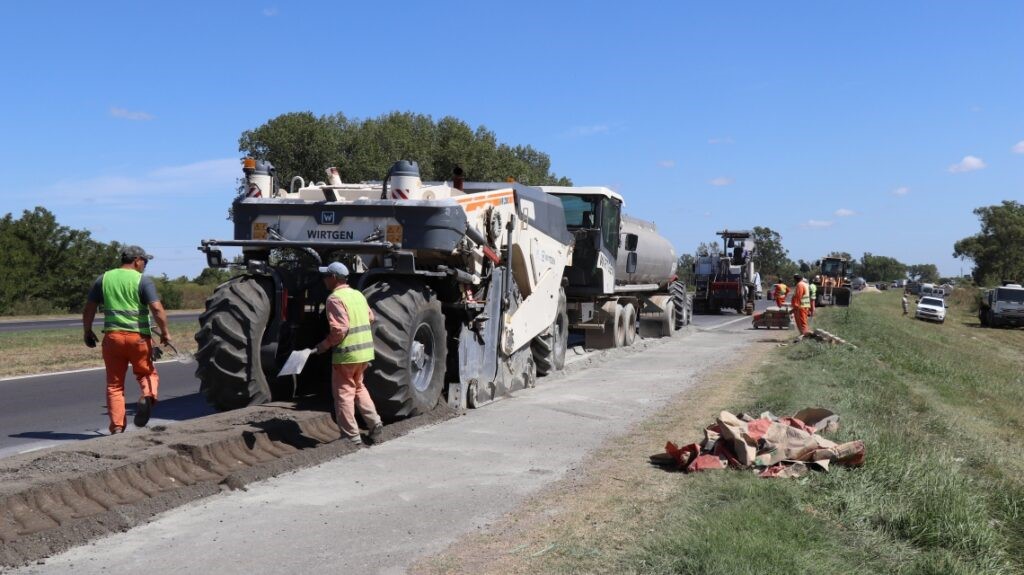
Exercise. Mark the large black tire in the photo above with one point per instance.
(407, 374)
(683, 304)
(230, 370)
(549, 347)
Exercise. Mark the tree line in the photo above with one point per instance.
(49, 268)
(302, 144)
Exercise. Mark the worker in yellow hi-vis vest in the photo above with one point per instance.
(351, 343)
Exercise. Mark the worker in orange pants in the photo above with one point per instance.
(780, 293)
(801, 303)
(121, 348)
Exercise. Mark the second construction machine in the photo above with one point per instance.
(832, 282)
(727, 280)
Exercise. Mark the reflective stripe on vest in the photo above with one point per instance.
(805, 300)
(357, 347)
(122, 308)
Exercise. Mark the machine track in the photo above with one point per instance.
(230, 334)
(406, 377)
(682, 303)
(549, 347)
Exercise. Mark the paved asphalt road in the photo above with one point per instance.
(41, 411)
(380, 509)
(30, 325)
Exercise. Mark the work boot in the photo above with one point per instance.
(355, 440)
(375, 434)
(142, 411)
(116, 430)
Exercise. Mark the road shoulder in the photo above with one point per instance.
(612, 498)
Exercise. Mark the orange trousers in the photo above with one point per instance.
(349, 394)
(121, 348)
(780, 301)
(800, 317)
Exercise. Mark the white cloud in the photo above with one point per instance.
(721, 181)
(717, 141)
(130, 115)
(270, 12)
(845, 213)
(968, 164)
(901, 191)
(818, 224)
(1018, 148)
(585, 131)
(667, 164)
(137, 190)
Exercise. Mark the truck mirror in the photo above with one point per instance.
(631, 241)
(631, 263)
(596, 237)
(731, 243)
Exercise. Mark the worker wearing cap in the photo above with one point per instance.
(128, 299)
(349, 317)
(801, 303)
(780, 293)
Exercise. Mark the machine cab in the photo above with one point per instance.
(593, 216)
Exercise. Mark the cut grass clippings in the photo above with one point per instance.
(940, 408)
(41, 351)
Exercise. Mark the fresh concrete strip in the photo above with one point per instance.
(379, 509)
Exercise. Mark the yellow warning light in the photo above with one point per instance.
(510, 180)
(259, 231)
(248, 164)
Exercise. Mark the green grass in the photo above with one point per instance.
(941, 410)
(50, 350)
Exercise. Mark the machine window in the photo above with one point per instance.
(610, 223)
(579, 212)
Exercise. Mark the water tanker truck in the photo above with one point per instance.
(470, 283)
(622, 277)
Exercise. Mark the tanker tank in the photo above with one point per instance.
(656, 259)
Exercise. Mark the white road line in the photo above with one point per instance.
(730, 322)
(83, 370)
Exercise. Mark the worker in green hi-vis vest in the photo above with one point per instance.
(351, 343)
(128, 299)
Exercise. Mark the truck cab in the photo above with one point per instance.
(1001, 306)
(593, 216)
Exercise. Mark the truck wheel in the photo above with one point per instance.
(230, 370)
(983, 318)
(549, 347)
(406, 376)
(682, 303)
(629, 324)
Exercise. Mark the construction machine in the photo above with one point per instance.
(727, 279)
(621, 281)
(833, 282)
(470, 283)
(465, 284)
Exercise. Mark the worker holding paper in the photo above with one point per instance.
(351, 340)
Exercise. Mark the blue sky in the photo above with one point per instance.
(861, 127)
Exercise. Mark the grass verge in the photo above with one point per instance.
(940, 407)
(50, 350)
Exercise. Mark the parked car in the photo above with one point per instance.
(931, 308)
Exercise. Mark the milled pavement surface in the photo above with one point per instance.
(379, 509)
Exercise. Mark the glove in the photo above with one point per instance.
(156, 353)
(90, 338)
